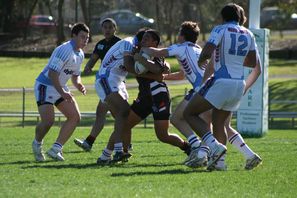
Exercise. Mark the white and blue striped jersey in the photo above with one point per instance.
(233, 44)
(187, 55)
(66, 61)
(113, 62)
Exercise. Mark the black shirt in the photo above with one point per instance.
(103, 46)
(144, 83)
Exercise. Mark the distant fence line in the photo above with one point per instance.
(20, 104)
(279, 54)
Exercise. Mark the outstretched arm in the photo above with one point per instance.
(155, 52)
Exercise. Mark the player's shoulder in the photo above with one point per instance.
(219, 28)
(116, 38)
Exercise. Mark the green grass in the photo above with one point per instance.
(22, 72)
(155, 170)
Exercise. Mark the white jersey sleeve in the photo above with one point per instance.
(216, 35)
(174, 50)
(59, 58)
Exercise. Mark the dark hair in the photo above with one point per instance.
(230, 12)
(190, 31)
(76, 28)
(140, 34)
(155, 35)
(242, 19)
(109, 20)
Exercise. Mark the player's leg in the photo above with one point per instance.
(120, 109)
(45, 96)
(105, 157)
(47, 117)
(197, 105)
(98, 125)
(71, 111)
(252, 158)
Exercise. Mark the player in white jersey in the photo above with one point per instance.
(187, 53)
(235, 47)
(111, 88)
(50, 89)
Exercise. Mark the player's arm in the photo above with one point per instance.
(157, 77)
(250, 59)
(180, 75)
(152, 66)
(209, 69)
(91, 63)
(76, 81)
(129, 63)
(155, 52)
(206, 54)
(54, 77)
(253, 76)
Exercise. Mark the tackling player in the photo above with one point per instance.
(109, 27)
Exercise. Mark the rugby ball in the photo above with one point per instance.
(138, 67)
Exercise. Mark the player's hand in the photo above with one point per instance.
(82, 89)
(137, 57)
(160, 77)
(87, 70)
(67, 96)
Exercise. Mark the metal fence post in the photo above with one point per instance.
(23, 112)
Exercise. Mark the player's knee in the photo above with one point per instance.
(75, 118)
(163, 137)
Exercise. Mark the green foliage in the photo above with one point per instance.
(155, 170)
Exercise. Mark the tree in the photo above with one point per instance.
(60, 31)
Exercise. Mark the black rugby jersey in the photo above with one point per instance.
(144, 83)
(103, 46)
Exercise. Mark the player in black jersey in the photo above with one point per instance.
(153, 97)
(108, 26)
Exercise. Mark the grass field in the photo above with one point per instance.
(155, 169)
(22, 72)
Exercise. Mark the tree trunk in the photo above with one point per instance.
(25, 33)
(60, 32)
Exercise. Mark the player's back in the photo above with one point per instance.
(113, 62)
(236, 41)
(188, 54)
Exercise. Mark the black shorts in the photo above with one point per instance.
(158, 105)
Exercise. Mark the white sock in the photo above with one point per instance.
(118, 147)
(237, 141)
(194, 141)
(106, 154)
(58, 146)
(210, 140)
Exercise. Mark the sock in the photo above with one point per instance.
(237, 141)
(90, 140)
(57, 145)
(118, 147)
(106, 154)
(39, 143)
(194, 141)
(203, 151)
(210, 140)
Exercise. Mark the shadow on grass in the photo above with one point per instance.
(62, 166)
(22, 162)
(163, 172)
(94, 165)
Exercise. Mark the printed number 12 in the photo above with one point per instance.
(240, 51)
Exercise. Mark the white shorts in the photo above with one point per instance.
(105, 86)
(223, 94)
(47, 94)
